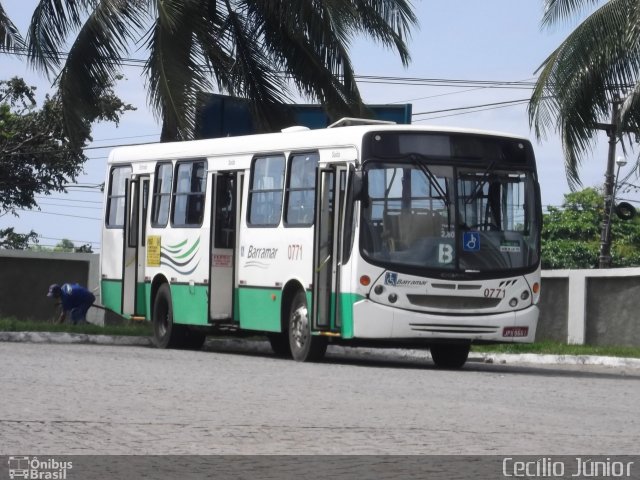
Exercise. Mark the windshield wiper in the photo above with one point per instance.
(481, 184)
(418, 160)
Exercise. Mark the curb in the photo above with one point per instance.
(69, 338)
(542, 359)
(263, 346)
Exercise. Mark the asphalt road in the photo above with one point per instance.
(239, 399)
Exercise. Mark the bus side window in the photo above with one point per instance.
(189, 192)
(161, 195)
(300, 199)
(116, 196)
(265, 194)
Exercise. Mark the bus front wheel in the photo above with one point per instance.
(450, 355)
(305, 347)
(280, 344)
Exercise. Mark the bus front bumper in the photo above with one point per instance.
(375, 321)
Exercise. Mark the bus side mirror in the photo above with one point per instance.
(360, 185)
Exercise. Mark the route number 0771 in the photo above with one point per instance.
(494, 292)
(294, 252)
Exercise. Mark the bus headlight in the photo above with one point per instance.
(524, 295)
(378, 290)
(393, 298)
(513, 302)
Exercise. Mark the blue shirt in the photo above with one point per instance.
(73, 296)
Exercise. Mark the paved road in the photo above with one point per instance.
(94, 399)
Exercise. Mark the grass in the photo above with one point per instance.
(13, 324)
(557, 348)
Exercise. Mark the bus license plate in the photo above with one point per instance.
(515, 331)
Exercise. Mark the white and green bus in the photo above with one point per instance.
(367, 234)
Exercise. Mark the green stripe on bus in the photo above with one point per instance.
(260, 309)
(195, 245)
(346, 309)
(190, 304)
(111, 294)
(177, 246)
(141, 302)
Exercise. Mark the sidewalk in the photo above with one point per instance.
(263, 347)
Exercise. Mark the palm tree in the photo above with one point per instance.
(9, 36)
(596, 66)
(256, 49)
(589, 83)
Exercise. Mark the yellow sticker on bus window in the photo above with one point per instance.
(153, 251)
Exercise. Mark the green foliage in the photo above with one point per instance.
(66, 245)
(37, 157)
(17, 241)
(571, 234)
(36, 154)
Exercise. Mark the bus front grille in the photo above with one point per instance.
(452, 302)
(459, 329)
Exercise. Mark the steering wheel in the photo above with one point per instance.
(491, 226)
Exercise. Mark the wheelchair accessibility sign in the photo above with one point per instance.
(471, 241)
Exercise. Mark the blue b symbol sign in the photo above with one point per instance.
(471, 241)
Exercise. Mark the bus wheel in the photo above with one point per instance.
(165, 333)
(280, 344)
(450, 355)
(304, 346)
(192, 339)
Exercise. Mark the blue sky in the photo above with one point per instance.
(498, 40)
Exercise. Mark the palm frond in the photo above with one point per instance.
(174, 69)
(563, 10)
(51, 22)
(216, 45)
(256, 74)
(95, 58)
(10, 38)
(579, 81)
(311, 48)
(388, 21)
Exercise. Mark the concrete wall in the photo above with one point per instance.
(25, 278)
(597, 307)
(554, 304)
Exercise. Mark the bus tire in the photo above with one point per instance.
(280, 344)
(305, 347)
(165, 333)
(192, 339)
(450, 355)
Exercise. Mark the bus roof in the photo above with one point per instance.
(293, 139)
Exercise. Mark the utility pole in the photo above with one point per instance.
(609, 186)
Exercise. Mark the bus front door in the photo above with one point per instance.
(134, 252)
(327, 267)
(223, 245)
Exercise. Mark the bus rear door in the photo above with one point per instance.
(226, 198)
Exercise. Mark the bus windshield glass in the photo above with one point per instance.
(422, 216)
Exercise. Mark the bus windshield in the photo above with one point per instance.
(421, 217)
